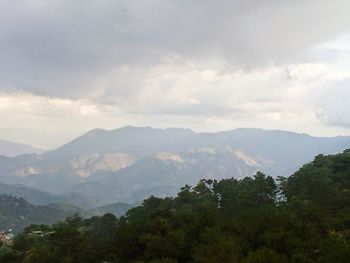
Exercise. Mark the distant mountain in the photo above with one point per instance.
(138, 142)
(45, 139)
(272, 151)
(17, 213)
(230, 220)
(58, 175)
(129, 164)
(12, 149)
(163, 174)
(21, 206)
(31, 195)
(37, 197)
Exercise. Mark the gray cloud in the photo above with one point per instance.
(204, 63)
(335, 100)
(63, 48)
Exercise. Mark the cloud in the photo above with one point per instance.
(199, 63)
(62, 48)
(335, 98)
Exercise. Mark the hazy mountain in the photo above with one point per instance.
(42, 138)
(272, 151)
(57, 175)
(138, 142)
(128, 164)
(17, 213)
(98, 150)
(12, 149)
(37, 197)
(21, 206)
(31, 195)
(163, 174)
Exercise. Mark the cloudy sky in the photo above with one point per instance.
(70, 66)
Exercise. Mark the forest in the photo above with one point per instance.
(301, 218)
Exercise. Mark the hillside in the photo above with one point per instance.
(302, 218)
(162, 175)
(12, 149)
(129, 164)
(22, 206)
(17, 213)
(37, 197)
(31, 195)
(138, 142)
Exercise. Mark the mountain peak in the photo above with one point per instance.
(137, 141)
(94, 132)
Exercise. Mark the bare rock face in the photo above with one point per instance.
(86, 165)
(168, 156)
(248, 160)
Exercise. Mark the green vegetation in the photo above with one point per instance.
(303, 218)
(117, 209)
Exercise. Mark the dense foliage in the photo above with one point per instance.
(303, 218)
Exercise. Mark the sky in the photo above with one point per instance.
(70, 66)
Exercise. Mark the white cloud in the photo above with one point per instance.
(206, 65)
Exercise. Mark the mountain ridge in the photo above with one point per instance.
(143, 161)
(12, 149)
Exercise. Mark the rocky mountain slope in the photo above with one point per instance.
(128, 164)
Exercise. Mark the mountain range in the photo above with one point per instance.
(17, 213)
(129, 164)
(21, 206)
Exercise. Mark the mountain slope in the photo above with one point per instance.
(276, 152)
(128, 164)
(163, 174)
(12, 149)
(303, 218)
(138, 142)
(17, 213)
(37, 197)
(31, 195)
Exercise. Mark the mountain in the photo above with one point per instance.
(57, 175)
(272, 151)
(163, 174)
(129, 164)
(37, 197)
(98, 150)
(31, 195)
(17, 213)
(138, 142)
(21, 206)
(302, 218)
(44, 139)
(12, 149)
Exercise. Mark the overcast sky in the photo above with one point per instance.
(69, 66)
